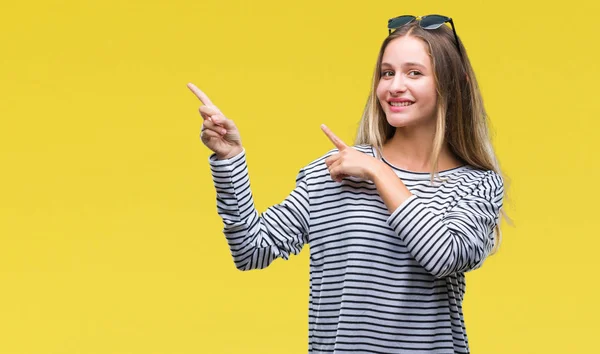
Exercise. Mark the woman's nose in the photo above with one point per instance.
(398, 84)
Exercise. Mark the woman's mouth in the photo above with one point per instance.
(400, 106)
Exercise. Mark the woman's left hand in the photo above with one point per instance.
(348, 161)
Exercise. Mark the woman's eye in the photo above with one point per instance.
(387, 73)
(414, 73)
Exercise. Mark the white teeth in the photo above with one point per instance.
(401, 104)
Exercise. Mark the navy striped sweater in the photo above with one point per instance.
(379, 282)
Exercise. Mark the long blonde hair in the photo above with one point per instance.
(462, 121)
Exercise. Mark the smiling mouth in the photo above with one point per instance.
(401, 104)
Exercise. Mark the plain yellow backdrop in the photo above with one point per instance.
(109, 237)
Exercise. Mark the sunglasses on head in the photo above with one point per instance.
(428, 22)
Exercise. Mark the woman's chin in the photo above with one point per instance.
(399, 122)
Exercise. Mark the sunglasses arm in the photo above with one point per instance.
(456, 38)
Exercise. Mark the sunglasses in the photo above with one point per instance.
(429, 22)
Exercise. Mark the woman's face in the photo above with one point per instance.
(406, 90)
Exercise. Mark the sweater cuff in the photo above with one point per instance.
(214, 162)
(230, 177)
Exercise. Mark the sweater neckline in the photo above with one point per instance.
(418, 175)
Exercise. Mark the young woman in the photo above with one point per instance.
(394, 221)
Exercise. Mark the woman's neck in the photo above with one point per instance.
(412, 148)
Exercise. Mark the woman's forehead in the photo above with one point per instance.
(406, 50)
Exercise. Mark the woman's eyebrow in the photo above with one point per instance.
(406, 64)
(414, 64)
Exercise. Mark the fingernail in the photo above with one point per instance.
(223, 131)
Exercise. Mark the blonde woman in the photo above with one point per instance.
(394, 221)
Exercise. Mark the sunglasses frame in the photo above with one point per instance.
(412, 18)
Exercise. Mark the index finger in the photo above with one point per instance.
(201, 95)
(334, 139)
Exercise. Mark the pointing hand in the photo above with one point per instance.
(218, 132)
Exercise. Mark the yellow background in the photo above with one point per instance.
(109, 237)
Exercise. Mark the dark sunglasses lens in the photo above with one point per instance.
(433, 21)
(400, 21)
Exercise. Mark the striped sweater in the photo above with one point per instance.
(379, 282)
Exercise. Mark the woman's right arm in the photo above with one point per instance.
(254, 240)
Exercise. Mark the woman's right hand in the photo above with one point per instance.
(218, 133)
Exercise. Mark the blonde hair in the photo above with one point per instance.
(462, 121)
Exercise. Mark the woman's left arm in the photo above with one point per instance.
(457, 241)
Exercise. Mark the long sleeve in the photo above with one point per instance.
(461, 238)
(256, 240)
